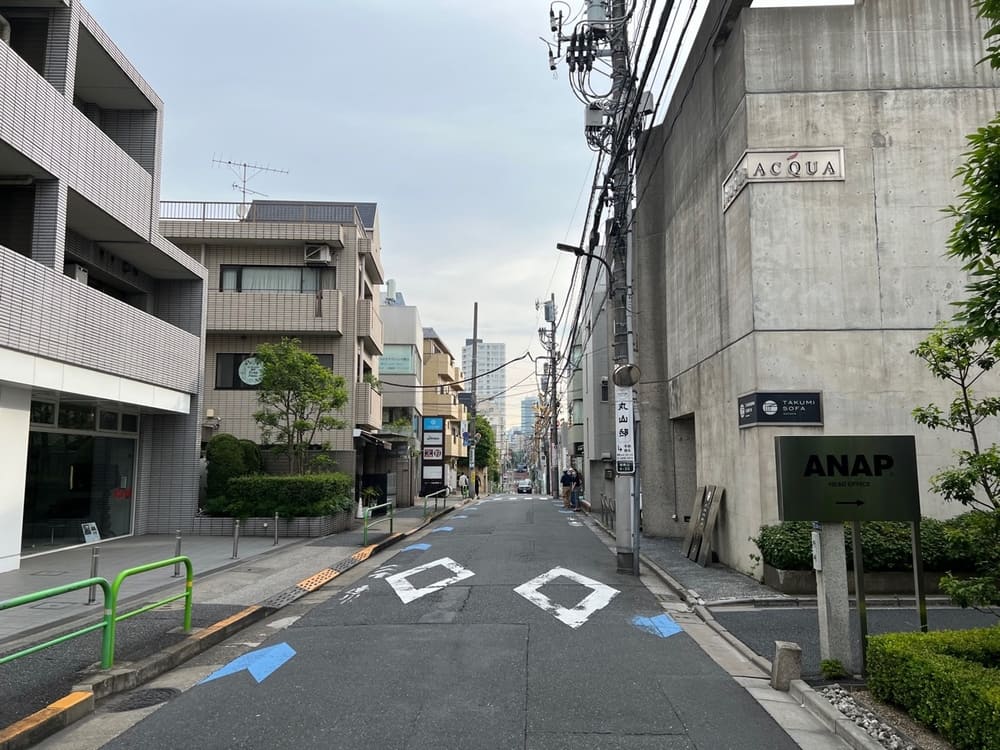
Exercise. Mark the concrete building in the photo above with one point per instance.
(789, 240)
(442, 401)
(401, 370)
(491, 383)
(101, 318)
(308, 270)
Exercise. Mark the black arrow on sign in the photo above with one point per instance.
(859, 503)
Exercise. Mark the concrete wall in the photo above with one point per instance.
(802, 285)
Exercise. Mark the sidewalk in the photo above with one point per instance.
(209, 554)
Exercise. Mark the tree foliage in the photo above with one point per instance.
(298, 397)
(975, 237)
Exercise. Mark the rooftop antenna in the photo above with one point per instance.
(243, 173)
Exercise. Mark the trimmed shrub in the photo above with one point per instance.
(253, 460)
(225, 460)
(289, 496)
(946, 679)
(953, 545)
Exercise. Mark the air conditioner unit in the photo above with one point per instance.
(77, 272)
(319, 255)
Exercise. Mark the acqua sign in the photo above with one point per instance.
(847, 478)
(782, 165)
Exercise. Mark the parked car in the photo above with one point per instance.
(524, 487)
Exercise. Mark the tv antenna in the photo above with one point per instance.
(244, 173)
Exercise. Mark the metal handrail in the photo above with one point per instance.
(435, 496)
(116, 586)
(110, 619)
(368, 514)
(105, 622)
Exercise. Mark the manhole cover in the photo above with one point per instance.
(144, 699)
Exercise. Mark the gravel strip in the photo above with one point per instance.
(857, 706)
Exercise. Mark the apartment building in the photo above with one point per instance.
(305, 270)
(101, 318)
(442, 401)
(491, 383)
(401, 372)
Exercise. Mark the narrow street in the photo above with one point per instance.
(504, 626)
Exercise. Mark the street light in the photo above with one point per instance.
(579, 252)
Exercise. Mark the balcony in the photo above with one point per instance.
(367, 407)
(443, 405)
(274, 312)
(441, 366)
(453, 447)
(249, 223)
(369, 326)
(46, 314)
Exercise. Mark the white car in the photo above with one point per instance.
(524, 487)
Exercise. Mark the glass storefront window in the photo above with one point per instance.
(77, 416)
(109, 420)
(73, 480)
(43, 412)
(130, 422)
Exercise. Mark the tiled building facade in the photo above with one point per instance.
(304, 270)
(101, 318)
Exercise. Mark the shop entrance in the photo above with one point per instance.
(76, 479)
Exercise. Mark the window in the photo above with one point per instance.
(108, 420)
(232, 374)
(43, 412)
(77, 416)
(288, 279)
(130, 422)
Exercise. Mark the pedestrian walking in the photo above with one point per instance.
(477, 486)
(575, 491)
(463, 484)
(567, 482)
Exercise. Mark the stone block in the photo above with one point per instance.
(787, 664)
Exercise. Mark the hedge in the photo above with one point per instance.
(947, 679)
(947, 546)
(289, 496)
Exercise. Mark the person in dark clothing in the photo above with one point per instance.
(477, 485)
(567, 481)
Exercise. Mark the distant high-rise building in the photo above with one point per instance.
(528, 406)
(491, 383)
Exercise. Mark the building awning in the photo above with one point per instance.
(371, 439)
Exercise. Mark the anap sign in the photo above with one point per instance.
(847, 478)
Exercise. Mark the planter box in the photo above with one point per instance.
(306, 526)
(804, 582)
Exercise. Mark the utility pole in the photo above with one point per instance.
(550, 315)
(609, 127)
(473, 433)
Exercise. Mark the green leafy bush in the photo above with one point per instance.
(225, 460)
(956, 545)
(253, 461)
(289, 496)
(946, 679)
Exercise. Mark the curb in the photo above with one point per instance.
(82, 700)
(808, 698)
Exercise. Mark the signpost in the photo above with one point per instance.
(432, 471)
(830, 479)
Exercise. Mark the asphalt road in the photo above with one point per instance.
(506, 626)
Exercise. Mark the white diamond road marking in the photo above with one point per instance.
(406, 591)
(600, 596)
(384, 571)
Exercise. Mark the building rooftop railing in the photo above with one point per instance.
(291, 212)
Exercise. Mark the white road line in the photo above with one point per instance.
(408, 593)
(600, 596)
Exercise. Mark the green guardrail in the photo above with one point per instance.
(369, 522)
(111, 617)
(437, 496)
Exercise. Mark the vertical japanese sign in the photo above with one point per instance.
(432, 477)
(624, 431)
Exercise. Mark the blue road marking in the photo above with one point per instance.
(422, 547)
(443, 528)
(661, 625)
(260, 664)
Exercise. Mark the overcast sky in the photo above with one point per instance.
(444, 112)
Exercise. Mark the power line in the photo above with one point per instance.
(526, 355)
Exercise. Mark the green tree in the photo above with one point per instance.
(959, 355)
(975, 237)
(298, 397)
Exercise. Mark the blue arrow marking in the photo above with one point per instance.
(260, 663)
(661, 625)
(422, 547)
(442, 528)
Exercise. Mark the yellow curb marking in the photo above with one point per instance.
(40, 717)
(319, 579)
(224, 623)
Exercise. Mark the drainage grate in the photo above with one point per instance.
(144, 699)
(285, 597)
